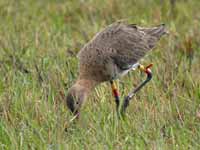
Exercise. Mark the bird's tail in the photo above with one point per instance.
(157, 31)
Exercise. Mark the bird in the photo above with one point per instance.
(109, 55)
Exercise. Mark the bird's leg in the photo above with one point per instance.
(116, 95)
(147, 70)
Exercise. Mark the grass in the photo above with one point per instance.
(38, 44)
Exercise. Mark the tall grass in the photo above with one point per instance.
(38, 45)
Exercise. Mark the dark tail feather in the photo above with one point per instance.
(157, 31)
(155, 34)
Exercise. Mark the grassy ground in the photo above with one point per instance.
(38, 44)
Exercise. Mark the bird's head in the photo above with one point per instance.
(77, 95)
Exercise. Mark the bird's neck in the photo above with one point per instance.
(87, 84)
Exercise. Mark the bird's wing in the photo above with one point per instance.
(126, 43)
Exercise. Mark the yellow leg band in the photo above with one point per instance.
(113, 86)
(141, 67)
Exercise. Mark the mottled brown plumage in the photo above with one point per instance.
(110, 54)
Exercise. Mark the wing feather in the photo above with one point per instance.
(125, 43)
